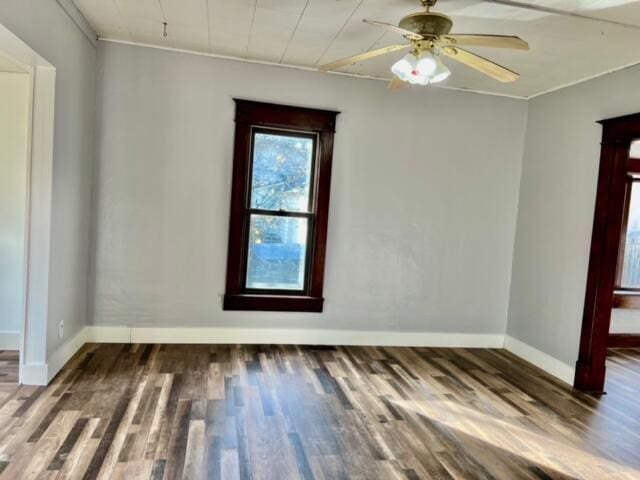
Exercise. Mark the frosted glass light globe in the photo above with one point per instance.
(422, 70)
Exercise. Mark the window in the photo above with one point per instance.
(628, 274)
(279, 207)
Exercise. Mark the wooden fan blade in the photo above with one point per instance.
(392, 28)
(362, 57)
(500, 73)
(495, 41)
(397, 84)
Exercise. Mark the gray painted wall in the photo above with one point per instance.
(46, 28)
(423, 206)
(555, 213)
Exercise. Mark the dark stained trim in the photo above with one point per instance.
(633, 166)
(285, 116)
(621, 128)
(273, 303)
(629, 299)
(321, 123)
(617, 135)
(624, 340)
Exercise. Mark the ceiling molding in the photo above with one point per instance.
(298, 67)
(583, 80)
(366, 77)
(79, 19)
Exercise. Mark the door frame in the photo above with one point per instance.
(37, 243)
(617, 135)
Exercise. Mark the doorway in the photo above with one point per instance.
(613, 280)
(25, 228)
(15, 106)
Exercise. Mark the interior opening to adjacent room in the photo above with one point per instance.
(15, 82)
(27, 98)
(613, 282)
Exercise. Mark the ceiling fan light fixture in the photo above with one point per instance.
(429, 35)
(421, 69)
(415, 69)
(441, 73)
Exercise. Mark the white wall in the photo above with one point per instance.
(555, 213)
(46, 28)
(14, 117)
(423, 206)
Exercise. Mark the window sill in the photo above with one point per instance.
(273, 303)
(626, 299)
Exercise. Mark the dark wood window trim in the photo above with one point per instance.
(252, 116)
(624, 340)
(617, 135)
(626, 299)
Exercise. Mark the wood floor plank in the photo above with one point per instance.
(286, 412)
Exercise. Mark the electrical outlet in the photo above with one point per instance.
(61, 329)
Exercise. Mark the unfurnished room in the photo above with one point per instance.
(320, 239)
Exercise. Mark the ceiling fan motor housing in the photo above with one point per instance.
(427, 23)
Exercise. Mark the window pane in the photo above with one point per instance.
(631, 265)
(277, 252)
(634, 151)
(281, 172)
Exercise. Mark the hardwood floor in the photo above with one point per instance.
(8, 373)
(286, 412)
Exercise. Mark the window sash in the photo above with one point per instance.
(311, 199)
(309, 250)
(309, 215)
(631, 180)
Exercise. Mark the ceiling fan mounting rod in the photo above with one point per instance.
(428, 3)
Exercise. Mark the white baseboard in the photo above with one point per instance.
(540, 359)
(9, 340)
(63, 354)
(221, 335)
(98, 334)
(43, 373)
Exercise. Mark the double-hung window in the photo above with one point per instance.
(279, 207)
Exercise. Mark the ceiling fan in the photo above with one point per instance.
(429, 39)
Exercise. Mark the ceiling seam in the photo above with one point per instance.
(253, 18)
(377, 42)
(123, 24)
(339, 32)
(295, 29)
(208, 24)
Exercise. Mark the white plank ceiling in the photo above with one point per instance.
(308, 33)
